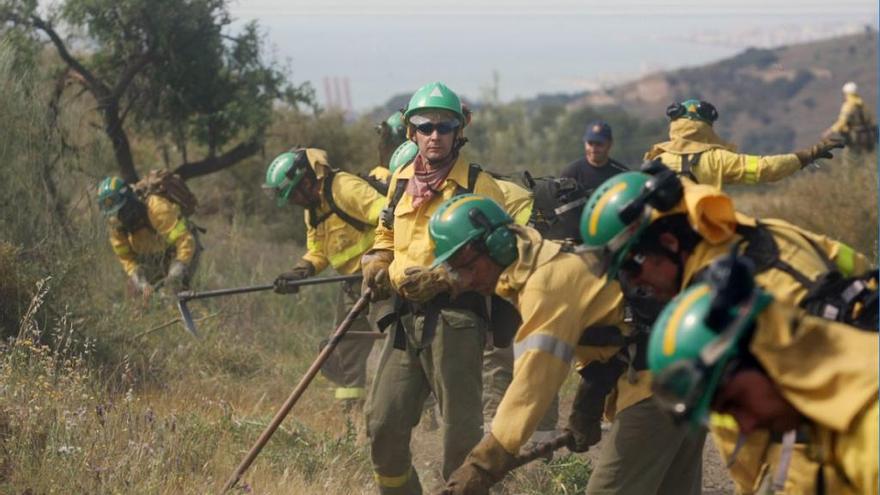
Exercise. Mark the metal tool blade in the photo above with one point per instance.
(187, 318)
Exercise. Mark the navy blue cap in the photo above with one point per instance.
(598, 131)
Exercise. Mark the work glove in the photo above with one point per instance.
(176, 272)
(422, 283)
(139, 283)
(584, 422)
(822, 149)
(374, 268)
(301, 271)
(486, 465)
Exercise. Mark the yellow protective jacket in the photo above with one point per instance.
(828, 372)
(558, 297)
(333, 241)
(409, 240)
(711, 213)
(518, 201)
(167, 230)
(719, 163)
(380, 173)
(851, 114)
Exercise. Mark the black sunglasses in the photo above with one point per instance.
(442, 127)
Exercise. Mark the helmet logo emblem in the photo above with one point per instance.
(436, 93)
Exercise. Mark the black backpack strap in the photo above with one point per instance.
(474, 170)
(327, 191)
(688, 162)
(387, 215)
(761, 248)
(380, 186)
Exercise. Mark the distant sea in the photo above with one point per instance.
(384, 56)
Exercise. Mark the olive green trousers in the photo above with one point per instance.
(450, 367)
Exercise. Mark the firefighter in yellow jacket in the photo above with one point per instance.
(695, 151)
(436, 343)
(153, 241)
(487, 252)
(341, 213)
(729, 347)
(498, 361)
(854, 124)
(658, 233)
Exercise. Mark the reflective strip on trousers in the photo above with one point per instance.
(178, 230)
(751, 172)
(545, 343)
(393, 481)
(781, 474)
(355, 250)
(346, 393)
(845, 260)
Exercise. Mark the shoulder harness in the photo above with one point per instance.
(327, 193)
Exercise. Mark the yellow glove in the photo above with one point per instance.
(486, 465)
(374, 268)
(421, 283)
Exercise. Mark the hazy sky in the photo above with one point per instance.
(386, 47)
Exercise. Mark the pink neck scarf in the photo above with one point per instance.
(426, 181)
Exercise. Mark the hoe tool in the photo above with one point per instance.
(184, 297)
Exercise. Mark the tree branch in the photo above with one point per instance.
(130, 72)
(96, 85)
(216, 163)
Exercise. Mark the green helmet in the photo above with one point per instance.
(435, 96)
(688, 353)
(284, 174)
(404, 154)
(113, 193)
(602, 228)
(395, 124)
(467, 218)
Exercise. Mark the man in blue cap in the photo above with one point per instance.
(594, 168)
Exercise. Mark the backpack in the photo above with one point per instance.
(327, 193)
(832, 296)
(170, 186)
(558, 202)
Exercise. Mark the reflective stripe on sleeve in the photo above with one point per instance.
(845, 260)
(544, 343)
(360, 247)
(376, 210)
(524, 215)
(178, 230)
(751, 172)
(393, 481)
(122, 250)
(314, 246)
(346, 393)
(724, 421)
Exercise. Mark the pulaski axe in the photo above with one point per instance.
(184, 297)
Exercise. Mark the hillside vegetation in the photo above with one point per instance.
(100, 393)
